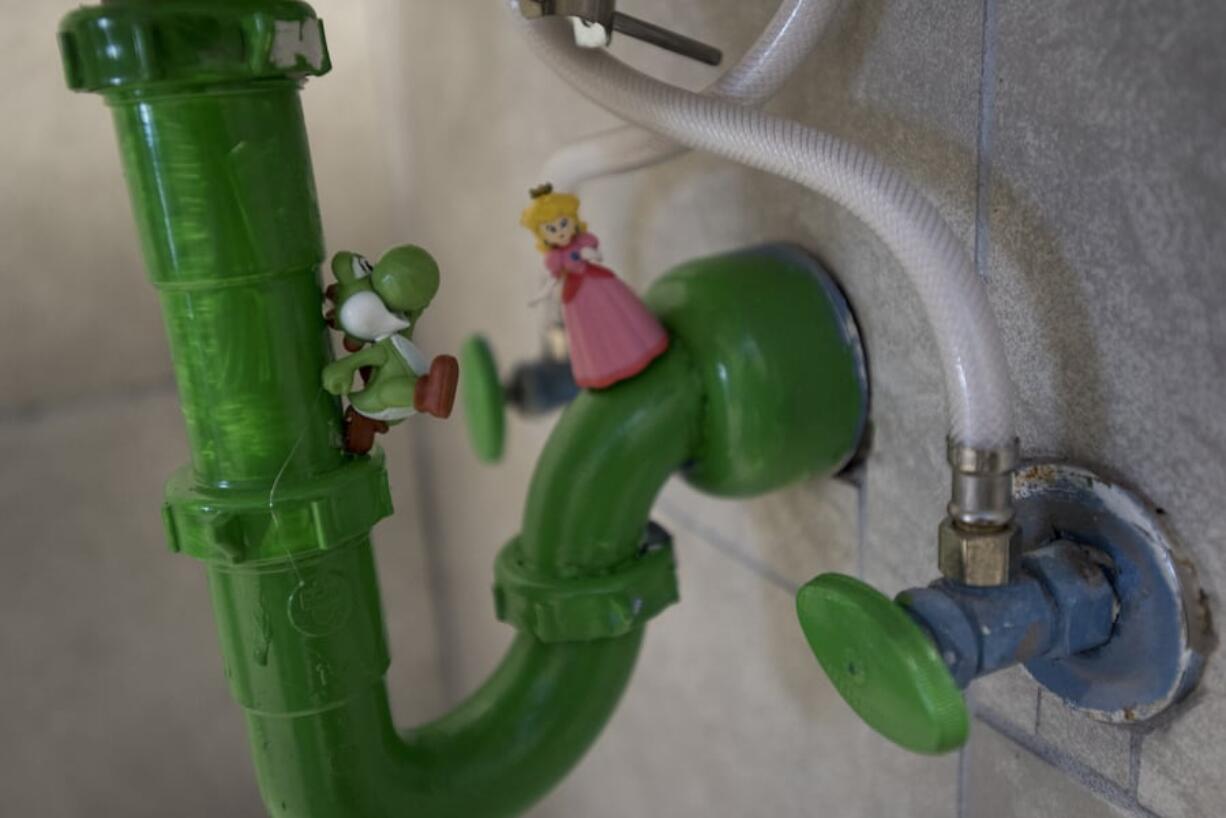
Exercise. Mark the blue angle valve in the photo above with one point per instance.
(1095, 610)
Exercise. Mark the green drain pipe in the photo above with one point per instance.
(763, 385)
(333, 750)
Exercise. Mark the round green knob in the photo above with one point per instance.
(481, 394)
(883, 664)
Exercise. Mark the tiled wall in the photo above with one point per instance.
(1076, 147)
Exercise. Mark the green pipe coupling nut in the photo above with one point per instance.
(130, 43)
(587, 608)
(234, 525)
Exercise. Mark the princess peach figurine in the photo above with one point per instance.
(612, 335)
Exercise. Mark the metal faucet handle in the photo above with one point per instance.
(596, 20)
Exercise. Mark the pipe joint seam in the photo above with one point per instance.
(586, 608)
(250, 525)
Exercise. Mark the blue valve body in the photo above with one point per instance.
(1062, 604)
(541, 386)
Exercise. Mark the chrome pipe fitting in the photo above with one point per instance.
(982, 495)
(978, 542)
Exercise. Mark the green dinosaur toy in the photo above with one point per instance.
(379, 305)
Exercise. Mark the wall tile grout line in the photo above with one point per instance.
(963, 761)
(727, 548)
(1135, 742)
(987, 110)
(1089, 778)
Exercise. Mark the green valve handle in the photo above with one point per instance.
(883, 664)
(484, 402)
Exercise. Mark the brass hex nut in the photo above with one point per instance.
(978, 557)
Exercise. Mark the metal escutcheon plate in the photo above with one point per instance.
(1162, 630)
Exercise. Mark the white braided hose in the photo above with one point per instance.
(953, 296)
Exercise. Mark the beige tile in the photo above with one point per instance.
(1010, 695)
(350, 124)
(790, 535)
(411, 601)
(75, 291)
(1105, 748)
(108, 643)
(728, 714)
(469, 513)
(75, 287)
(107, 638)
(1003, 780)
(1181, 762)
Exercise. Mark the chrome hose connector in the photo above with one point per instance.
(978, 542)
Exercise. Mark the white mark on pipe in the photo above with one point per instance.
(589, 35)
(295, 42)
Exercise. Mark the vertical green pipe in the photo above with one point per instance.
(225, 202)
(206, 106)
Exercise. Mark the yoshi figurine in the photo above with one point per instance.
(379, 305)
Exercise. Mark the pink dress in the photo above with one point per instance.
(612, 335)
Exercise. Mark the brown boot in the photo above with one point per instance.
(360, 431)
(435, 391)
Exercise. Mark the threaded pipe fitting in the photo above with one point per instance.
(978, 541)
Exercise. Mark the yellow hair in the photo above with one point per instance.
(547, 208)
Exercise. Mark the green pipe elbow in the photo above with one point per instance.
(587, 506)
(777, 354)
(321, 733)
(764, 384)
(328, 747)
(493, 755)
